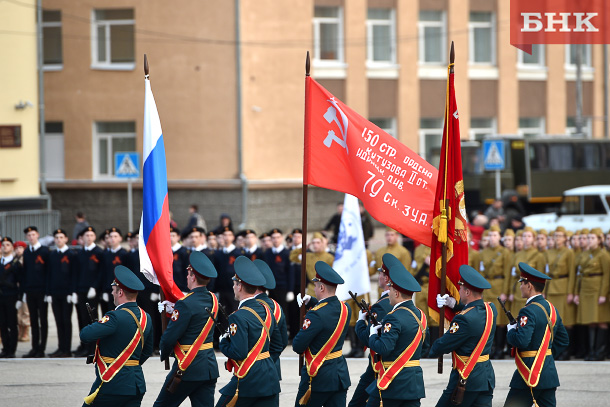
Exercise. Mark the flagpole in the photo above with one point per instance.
(304, 214)
(441, 318)
(161, 295)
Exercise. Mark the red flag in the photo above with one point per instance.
(345, 152)
(449, 190)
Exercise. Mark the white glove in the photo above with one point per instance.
(74, 298)
(510, 326)
(154, 297)
(289, 296)
(69, 298)
(374, 330)
(445, 301)
(224, 336)
(303, 300)
(166, 306)
(362, 315)
(24, 298)
(18, 304)
(105, 297)
(91, 293)
(48, 299)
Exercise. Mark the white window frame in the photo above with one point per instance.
(317, 22)
(529, 71)
(540, 130)
(471, 41)
(370, 24)
(107, 64)
(97, 136)
(58, 161)
(51, 24)
(484, 131)
(421, 26)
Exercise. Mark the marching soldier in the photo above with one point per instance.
(188, 337)
(279, 337)
(254, 381)
(379, 311)
(124, 343)
(470, 339)
(536, 335)
(400, 344)
(324, 378)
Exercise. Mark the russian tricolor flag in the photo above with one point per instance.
(156, 255)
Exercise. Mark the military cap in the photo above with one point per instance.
(569, 233)
(60, 230)
(129, 235)
(318, 235)
(560, 229)
(598, 232)
(326, 274)
(402, 280)
(227, 229)
(196, 229)
(267, 273)
(127, 280)
(389, 229)
(519, 233)
(247, 272)
(387, 258)
(472, 279)
(297, 230)
(30, 229)
(7, 239)
(584, 231)
(174, 230)
(509, 232)
(112, 230)
(247, 232)
(529, 229)
(201, 264)
(485, 233)
(543, 232)
(275, 230)
(20, 243)
(210, 233)
(88, 229)
(494, 228)
(225, 216)
(264, 235)
(528, 273)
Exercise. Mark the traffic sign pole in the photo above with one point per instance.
(498, 192)
(130, 203)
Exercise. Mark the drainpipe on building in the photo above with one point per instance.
(41, 120)
(579, 48)
(240, 154)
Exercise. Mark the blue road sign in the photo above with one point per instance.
(127, 165)
(494, 156)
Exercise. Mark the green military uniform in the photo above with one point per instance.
(312, 259)
(399, 251)
(188, 320)
(526, 336)
(114, 333)
(594, 282)
(532, 257)
(467, 328)
(474, 258)
(563, 274)
(495, 266)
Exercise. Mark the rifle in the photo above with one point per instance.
(365, 308)
(424, 271)
(93, 318)
(217, 323)
(511, 319)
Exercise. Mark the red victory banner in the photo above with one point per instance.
(449, 225)
(559, 22)
(345, 152)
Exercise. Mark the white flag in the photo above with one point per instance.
(350, 259)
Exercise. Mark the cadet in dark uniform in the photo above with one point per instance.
(124, 343)
(254, 381)
(114, 256)
(225, 258)
(279, 337)
(400, 340)
(63, 269)
(88, 283)
(379, 311)
(36, 289)
(278, 259)
(537, 335)
(181, 259)
(469, 338)
(10, 270)
(189, 337)
(325, 377)
(251, 248)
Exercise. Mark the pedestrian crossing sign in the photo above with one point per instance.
(127, 165)
(494, 156)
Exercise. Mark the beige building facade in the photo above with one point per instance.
(228, 79)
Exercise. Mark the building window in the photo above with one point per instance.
(535, 60)
(10, 136)
(430, 139)
(110, 138)
(54, 150)
(328, 34)
(113, 39)
(381, 36)
(571, 55)
(386, 124)
(52, 54)
(482, 37)
(431, 33)
(586, 127)
(531, 126)
(481, 128)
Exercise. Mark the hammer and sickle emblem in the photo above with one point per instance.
(331, 116)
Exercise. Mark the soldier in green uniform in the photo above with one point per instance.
(124, 342)
(255, 381)
(580, 331)
(496, 268)
(318, 253)
(324, 378)
(529, 255)
(592, 298)
(474, 258)
(394, 247)
(536, 336)
(470, 339)
(560, 289)
(379, 311)
(188, 337)
(399, 340)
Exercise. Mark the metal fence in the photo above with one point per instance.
(12, 223)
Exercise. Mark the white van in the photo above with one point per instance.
(583, 207)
